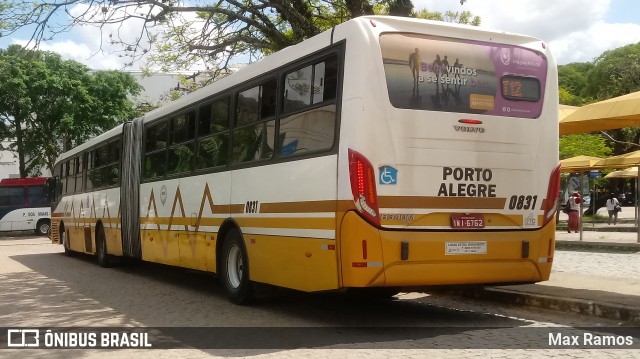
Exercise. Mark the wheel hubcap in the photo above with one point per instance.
(234, 266)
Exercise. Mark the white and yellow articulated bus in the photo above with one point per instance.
(384, 153)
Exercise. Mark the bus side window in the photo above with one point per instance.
(248, 106)
(213, 134)
(309, 128)
(16, 195)
(155, 158)
(64, 175)
(71, 179)
(254, 136)
(268, 93)
(182, 151)
(113, 169)
(80, 164)
(4, 196)
(297, 89)
(88, 185)
(37, 196)
(325, 80)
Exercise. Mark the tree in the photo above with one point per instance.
(583, 144)
(50, 104)
(176, 34)
(614, 73)
(572, 80)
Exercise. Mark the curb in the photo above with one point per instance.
(588, 228)
(598, 246)
(580, 306)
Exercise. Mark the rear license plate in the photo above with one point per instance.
(467, 221)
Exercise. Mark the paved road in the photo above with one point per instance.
(42, 287)
(615, 265)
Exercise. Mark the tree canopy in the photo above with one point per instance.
(175, 35)
(614, 73)
(49, 104)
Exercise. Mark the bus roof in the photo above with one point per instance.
(35, 181)
(90, 143)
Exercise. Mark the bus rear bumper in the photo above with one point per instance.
(372, 257)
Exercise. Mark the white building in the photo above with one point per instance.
(9, 167)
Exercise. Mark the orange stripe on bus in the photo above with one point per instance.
(294, 223)
(299, 207)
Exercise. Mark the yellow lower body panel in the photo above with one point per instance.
(179, 248)
(373, 257)
(307, 264)
(113, 237)
(299, 263)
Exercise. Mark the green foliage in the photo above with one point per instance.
(464, 17)
(572, 80)
(567, 98)
(50, 104)
(176, 35)
(583, 144)
(614, 73)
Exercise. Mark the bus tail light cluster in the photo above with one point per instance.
(363, 187)
(552, 195)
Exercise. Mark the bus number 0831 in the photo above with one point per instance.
(523, 202)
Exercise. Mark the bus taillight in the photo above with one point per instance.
(552, 195)
(363, 187)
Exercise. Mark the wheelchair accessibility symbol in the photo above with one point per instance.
(388, 175)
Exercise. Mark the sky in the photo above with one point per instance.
(576, 30)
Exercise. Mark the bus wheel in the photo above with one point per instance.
(43, 227)
(234, 269)
(101, 248)
(65, 242)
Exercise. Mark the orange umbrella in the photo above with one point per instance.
(628, 173)
(578, 163)
(565, 110)
(617, 112)
(621, 161)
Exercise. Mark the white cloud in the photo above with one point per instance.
(575, 29)
(82, 52)
(92, 45)
(586, 45)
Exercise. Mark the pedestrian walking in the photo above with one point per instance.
(574, 212)
(613, 207)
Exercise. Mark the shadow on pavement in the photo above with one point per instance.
(69, 292)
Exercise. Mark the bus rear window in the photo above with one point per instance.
(434, 73)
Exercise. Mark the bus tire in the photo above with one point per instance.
(65, 242)
(234, 269)
(43, 227)
(101, 248)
